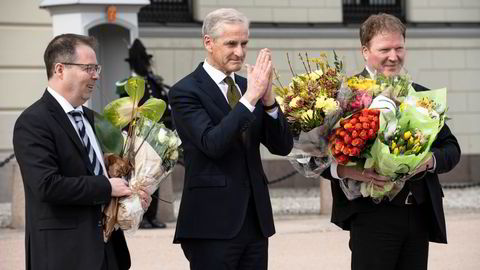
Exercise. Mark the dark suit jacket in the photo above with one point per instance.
(447, 154)
(223, 167)
(63, 198)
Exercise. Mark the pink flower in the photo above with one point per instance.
(362, 100)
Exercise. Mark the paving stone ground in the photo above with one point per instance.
(303, 241)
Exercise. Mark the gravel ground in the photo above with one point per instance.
(304, 239)
(287, 201)
(307, 201)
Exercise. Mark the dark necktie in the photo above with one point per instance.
(233, 95)
(92, 157)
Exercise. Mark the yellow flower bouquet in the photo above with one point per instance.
(311, 109)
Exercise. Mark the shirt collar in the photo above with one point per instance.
(372, 75)
(66, 106)
(216, 74)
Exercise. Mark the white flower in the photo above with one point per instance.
(279, 100)
(162, 136)
(293, 102)
(307, 115)
(315, 75)
(172, 142)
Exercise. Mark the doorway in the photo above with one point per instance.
(113, 41)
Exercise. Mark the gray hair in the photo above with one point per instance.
(212, 25)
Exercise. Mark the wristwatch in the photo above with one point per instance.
(271, 107)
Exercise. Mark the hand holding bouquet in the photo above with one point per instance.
(144, 157)
(398, 155)
(154, 160)
(408, 124)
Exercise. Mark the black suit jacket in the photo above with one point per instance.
(63, 198)
(447, 154)
(223, 167)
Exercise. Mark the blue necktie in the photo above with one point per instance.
(92, 157)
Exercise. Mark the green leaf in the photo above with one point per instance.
(135, 88)
(110, 137)
(120, 112)
(153, 109)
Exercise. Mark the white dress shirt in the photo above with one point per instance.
(218, 77)
(67, 107)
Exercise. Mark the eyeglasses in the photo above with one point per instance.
(89, 68)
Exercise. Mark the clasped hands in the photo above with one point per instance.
(259, 79)
(120, 188)
(369, 175)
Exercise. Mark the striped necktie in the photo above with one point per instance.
(92, 157)
(233, 95)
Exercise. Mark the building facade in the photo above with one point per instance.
(443, 42)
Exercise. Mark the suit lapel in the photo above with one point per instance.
(89, 116)
(364, 73)
(61, 117)
(242, 82)
(207, 85)
(246, 134)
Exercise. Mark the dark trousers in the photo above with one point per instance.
(110, 259)
(247, 250)
(390, 237)
(151, 212)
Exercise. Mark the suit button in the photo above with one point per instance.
(99, 223)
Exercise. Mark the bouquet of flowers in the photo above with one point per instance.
(311, 109)
(154, 160)
(144, 156)
(408, 125)
(349, 140)
(358, 92)
(417, 122)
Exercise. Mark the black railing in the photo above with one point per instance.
(166, 11)
(357, 11)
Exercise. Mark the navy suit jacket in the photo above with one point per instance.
(223, 167)
(447, 154)
(63, 198)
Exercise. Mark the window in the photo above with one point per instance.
(357, 11)
(166, 11)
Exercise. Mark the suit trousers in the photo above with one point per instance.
(152, 209)
(247, 250)
(391, 237)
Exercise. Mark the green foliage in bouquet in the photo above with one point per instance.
(164, 141)
(129, 158)
(394, 87)
(110, 137)
(123, 111)
(417, 127)
(310, 97)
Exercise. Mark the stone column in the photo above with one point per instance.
(325, 196)
(165, 210)
(18, 198)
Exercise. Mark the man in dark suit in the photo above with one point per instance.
(393, 235)
(62, 168)
(225, 215)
